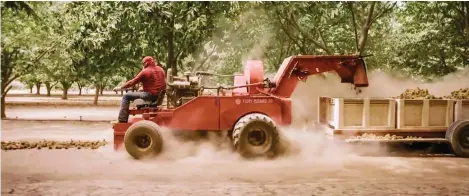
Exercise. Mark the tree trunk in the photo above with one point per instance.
(38, 88)
(465, 59)
(466, 18)
(354, 23)
(65, 93)
(170, 61)
(79, 88)
(3, 95)
(65, 87)
(365, 28)
(445, 69)
(122, 93)
(3, 108)
(48, 87)
(96, 95)
(30, 89)
(103, 86)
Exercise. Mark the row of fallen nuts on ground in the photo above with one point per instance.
(16, 145)
(385, 137)
(420, 93)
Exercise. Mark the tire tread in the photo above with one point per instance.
(245, 120)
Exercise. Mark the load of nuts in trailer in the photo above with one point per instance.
(408, 120)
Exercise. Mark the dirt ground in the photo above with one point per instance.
(62, 113)
(201, 169)
(108, 100)
(23, 106)
(40, 107)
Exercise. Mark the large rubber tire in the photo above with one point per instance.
(255, 135)
(143, 139)
(458, 137)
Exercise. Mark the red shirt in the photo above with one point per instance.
(152, 77)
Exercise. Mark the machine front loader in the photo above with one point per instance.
(249, 112)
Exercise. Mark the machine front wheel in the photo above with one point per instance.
(458, 136)
(143, 139)
(255, 135)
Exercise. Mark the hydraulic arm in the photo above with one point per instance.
(351, 69)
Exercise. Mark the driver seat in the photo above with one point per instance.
(153, 104)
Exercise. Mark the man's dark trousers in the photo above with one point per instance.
(131, 96)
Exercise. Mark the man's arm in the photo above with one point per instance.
(134, 81)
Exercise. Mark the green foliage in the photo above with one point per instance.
(102, 43)
(272, 31)
(17, 7)
(433, 40)
(24, 42)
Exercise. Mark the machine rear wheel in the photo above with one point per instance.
(255, 135)
(143, 139)
(458, 136)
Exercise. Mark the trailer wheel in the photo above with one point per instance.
(143, 139)
(458, 136)
(255, 135)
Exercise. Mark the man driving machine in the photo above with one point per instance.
(153, 79)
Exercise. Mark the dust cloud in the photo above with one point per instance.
(298, 145)
(262, 35)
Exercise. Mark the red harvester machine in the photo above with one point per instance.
(250, 114)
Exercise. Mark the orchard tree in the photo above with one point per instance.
(60, 70)
(331, 27)
(433, 40)
(173, 31)
(99, 46)
(81, 83)
(28, 80)
(119, 34)
(23, 45)
(272, 31)
(240, 35)
(32, 80)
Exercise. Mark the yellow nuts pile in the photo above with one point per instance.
(385, 137)
(420, 93)
(417, 93)
(16, 145)
(462, 93)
